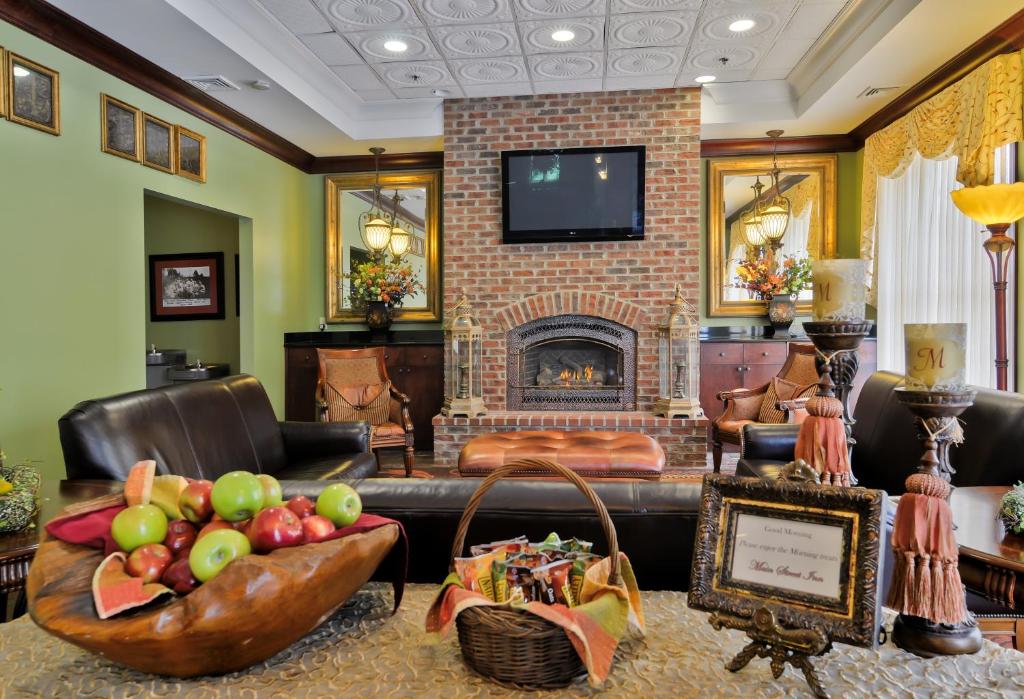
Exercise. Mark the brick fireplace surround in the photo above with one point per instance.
(630, 283)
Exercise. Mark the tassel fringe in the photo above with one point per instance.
(821, 442)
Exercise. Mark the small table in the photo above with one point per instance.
(18, 548)
(991, 561)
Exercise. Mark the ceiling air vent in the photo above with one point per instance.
(212, 83)
(876, 91)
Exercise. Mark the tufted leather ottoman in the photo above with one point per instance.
(593, 454)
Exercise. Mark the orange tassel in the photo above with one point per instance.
(821, 442)
(926, 581)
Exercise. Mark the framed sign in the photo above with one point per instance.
(188, 286)
(809, 553)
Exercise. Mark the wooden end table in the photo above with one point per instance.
(18, 548)
(991, 560)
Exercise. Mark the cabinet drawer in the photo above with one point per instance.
(764, 352)
(721, 353)
(302, 356)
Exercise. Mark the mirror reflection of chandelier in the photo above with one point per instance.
(765, 223)
(374, 227)
(400, 239)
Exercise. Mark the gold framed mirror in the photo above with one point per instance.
(807, 181)
(349, 197)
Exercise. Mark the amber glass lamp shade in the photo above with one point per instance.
(990, 204)
(775, 220)
(377, 233)
(399, 242)
(752, 230)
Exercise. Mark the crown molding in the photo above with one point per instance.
(430, 160)
(727, 147)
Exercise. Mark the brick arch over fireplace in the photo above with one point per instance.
(556, 303)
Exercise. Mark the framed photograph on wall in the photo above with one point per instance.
(119, 128)
(186, 286)
(158, 144)
(191, 149)
(33, 94)
(3, 82)
(810, 554)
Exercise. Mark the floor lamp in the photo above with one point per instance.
(996, 207)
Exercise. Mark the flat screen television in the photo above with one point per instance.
(572, 194)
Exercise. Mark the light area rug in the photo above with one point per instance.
(363, 651)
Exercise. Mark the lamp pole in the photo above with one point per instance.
(999, 248)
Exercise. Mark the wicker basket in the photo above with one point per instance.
(513, 646)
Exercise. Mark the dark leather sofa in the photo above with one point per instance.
(888, 449)
(205, 429)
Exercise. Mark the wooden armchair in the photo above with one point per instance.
(353, 384)
(781, 400)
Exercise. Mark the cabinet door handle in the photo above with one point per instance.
(721, 354)
(764, 354)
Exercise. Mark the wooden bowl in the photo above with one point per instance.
(256, 607)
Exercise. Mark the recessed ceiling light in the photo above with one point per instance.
(742, 25)
(705, 79)
(395, 46)
(20, 72)
(563, 35)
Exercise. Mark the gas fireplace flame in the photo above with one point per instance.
(575, 378)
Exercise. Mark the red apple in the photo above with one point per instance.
(212, 527)
(302, 506)
(149, 562)
(180, 536)
(274, 528)
(179, 578)
(195, 503)
(316, 528)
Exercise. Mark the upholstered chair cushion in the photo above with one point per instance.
(781, 390)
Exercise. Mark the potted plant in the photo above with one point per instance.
(380, 286)
(779, 287)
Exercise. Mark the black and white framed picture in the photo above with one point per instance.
(33, 94)
(157, 144)
(191, 154)
(119, 128)
(186, 286)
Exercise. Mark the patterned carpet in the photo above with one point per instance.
(362, 651)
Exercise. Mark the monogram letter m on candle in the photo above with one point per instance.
(936, 356)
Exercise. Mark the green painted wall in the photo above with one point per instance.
(848, 188)
(72, 275)
(170, 228)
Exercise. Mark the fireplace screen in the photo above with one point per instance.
(572, 363)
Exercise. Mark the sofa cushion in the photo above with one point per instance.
(201, 429)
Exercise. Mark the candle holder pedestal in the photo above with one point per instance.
(936, 413)
(838, 341)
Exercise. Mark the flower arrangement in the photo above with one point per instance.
(762, 281)
(1011, 509)
(380, 280)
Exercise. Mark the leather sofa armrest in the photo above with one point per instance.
(305, 440)
(768, 442)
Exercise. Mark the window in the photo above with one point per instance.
(932, 267)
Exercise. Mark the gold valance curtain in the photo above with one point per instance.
(969, 119)
(808, 193)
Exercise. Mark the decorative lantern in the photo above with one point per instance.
(463, 395)
(678, 361)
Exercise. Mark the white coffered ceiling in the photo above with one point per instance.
(505, 47)
(336, 89)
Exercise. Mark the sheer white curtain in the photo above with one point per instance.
(794, 243)
(932, 267)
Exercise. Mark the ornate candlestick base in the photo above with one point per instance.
(936, 413)
(840, 340)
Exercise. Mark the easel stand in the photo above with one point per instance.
(770, 640)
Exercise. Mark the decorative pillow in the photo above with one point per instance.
(781, 390)
(370, 402)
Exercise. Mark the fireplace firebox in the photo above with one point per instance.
(571, 362)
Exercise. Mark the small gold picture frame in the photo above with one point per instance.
(120, 128)
(3, 82)
(191, 150)
(33, 94)
(158, 151)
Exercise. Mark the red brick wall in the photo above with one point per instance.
(639, 275)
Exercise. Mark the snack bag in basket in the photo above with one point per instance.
(510, 546)
(475, 572)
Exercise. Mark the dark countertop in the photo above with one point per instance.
(755, 333)
(362, 338)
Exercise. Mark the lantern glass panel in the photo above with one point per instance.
(477, 384)
(664, 363)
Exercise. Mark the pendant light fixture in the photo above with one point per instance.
(400, 239)
(751, 219)
(775, 215)
(374, 228)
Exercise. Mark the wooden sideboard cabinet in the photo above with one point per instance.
(728, 364)
(416, 369)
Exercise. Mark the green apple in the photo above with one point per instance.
(272, 496)
(211, 553)
(340, 504)
(237, 495)
(137, 525)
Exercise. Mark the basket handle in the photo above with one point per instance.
(516, 466)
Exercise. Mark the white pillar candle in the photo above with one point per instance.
(936, 356)
(840, 292)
